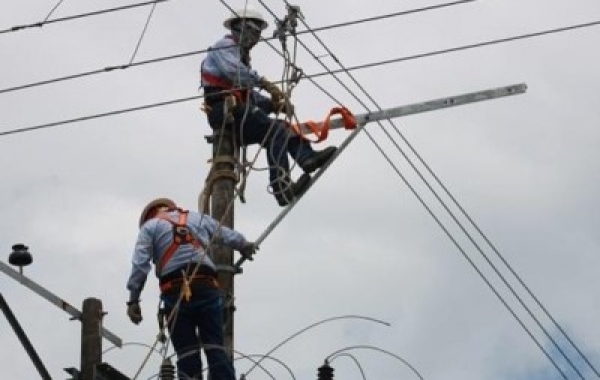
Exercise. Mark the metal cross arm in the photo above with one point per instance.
(431, 105)
(25, 281)
(363, 119)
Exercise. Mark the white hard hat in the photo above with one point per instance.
(246, 13)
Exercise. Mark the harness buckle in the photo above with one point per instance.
(182, 231)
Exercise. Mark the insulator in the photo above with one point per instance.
(167, 370)
(20, 255)
(325, 372)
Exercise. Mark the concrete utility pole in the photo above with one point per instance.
(91, 337)
(222, 177)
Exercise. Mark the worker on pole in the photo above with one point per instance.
(178, 243)
(231, 89)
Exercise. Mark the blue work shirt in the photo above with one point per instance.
(224, 60)
(156, 235)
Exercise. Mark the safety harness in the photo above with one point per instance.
(181, 236)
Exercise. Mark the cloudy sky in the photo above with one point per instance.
(365, 241)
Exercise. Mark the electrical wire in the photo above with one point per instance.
(52, 10)
(452, 214)
(100, 115)
(193, 53)
(318, 323)
(405, 362)
(78, 16)
(311, 76)
(498, 254)
(143, 33)
(261, 356)
(354, 359)
(351, 68)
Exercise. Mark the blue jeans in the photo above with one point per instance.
(253, 126)
(199, 322)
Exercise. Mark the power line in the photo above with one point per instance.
(165, 58)
(78, 16)
(368, 65)
(143, 33)
(321, 74)
(99, 71)
(53, 9)
(98, 116)
(455, 219)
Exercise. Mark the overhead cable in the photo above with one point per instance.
(367, 65)
(494, 249)
(78, 16)
(98, 116)
(52, 10)
(329, 72)
(143, 33)
(454, 218)
(165, 58)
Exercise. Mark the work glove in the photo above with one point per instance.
(134, 312)
(283, 107)
(248, 250)
(276, 94)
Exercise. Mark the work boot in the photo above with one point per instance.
(318, 159)
(292, 190)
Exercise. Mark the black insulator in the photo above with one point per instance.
(20, 256)
(167, 370)
(325, 372)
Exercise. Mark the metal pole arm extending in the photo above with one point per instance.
(390, 113)
(55, 300)
(431, 105)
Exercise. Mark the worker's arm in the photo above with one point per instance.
(140, 264)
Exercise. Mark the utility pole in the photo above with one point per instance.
(222, 179)
(91, 337)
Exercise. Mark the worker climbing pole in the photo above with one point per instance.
(239, 116)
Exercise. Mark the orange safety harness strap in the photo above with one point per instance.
(321, 130)
(218, 82)
(181, 235)
(174, 284)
